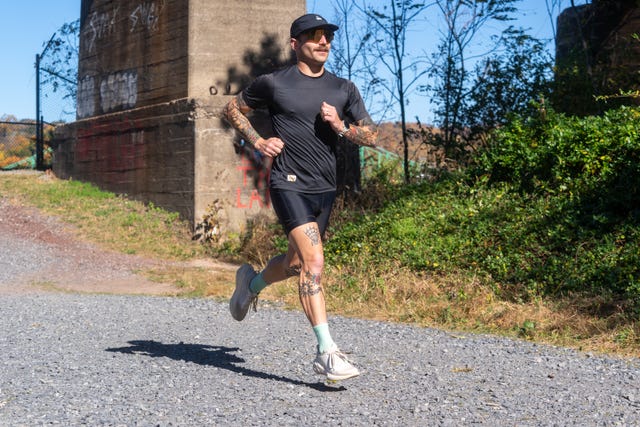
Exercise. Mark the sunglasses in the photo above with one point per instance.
(316, 34)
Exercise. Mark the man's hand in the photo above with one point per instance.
(362, 132)
(269, 147)
(329, 114)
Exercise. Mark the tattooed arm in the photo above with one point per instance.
(362, 132)
(236, 112)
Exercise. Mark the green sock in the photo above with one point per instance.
(257, 284)
(325, 342)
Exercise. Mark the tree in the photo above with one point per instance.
(463, 21)
(349, 54)
(393, 22)
(506, 82)
(60, 64)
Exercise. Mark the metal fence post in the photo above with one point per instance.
(39, 117)
(39, 129)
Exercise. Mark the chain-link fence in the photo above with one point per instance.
(17, 145)
(25, 143)
(54, 104)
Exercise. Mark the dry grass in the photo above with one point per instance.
(452, 303)
(196, 281)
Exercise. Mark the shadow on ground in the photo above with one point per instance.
(208, 355)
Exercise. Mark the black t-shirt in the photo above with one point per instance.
(308, 161)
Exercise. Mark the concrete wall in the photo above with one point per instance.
(147, 153)
(224, 36)
(132, 54)
(222, 33)
(596, 54)
(153, 78)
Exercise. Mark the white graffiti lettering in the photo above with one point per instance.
(100, 25)
(119, 90)
(147, 15)
(86, 102)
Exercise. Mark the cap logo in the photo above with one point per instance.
(319, 18)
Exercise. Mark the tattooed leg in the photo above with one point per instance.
(282, 267)
(310, 284)
(307, 242)
(313, 234)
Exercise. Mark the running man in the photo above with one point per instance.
(311, 111)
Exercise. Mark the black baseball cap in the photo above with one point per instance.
(308, 22)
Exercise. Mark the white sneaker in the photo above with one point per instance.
(335, 365)
(242, 297)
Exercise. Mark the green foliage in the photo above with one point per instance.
(506, 82)
(593, 158)
(584, 174)
(553, 206)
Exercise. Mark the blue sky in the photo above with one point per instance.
(25, 25)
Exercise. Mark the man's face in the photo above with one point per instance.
(314, 45)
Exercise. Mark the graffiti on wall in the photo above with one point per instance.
(146, 15)
(99, 26)
(86, 91)
(112, 156)
(119, 91)
(254, 191)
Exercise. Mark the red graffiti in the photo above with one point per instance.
(255, 179)
(112, 154)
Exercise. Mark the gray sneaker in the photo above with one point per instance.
(335, 365)
(242, 297)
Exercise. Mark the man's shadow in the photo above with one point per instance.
(208, 355)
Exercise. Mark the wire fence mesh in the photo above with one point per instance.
(18, 144)
(25, 143)
(56, 106)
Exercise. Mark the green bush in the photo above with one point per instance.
(578, 157)
(552, 207)
(587, 172)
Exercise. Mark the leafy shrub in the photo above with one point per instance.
(552, 207)
(586, 173)
(554, 154)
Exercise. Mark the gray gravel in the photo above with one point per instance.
(127, 360)
(18, 257)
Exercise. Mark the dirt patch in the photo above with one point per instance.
(75, 265)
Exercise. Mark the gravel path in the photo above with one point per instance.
(129, 360)
(87, 359)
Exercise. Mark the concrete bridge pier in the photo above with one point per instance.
(153, 78)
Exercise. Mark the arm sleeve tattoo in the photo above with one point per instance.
(363, 132)
(235, 113)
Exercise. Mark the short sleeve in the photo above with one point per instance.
(260, 92)
(355, 109)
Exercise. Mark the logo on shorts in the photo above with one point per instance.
(292, 178)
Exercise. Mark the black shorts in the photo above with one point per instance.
(295, 209)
